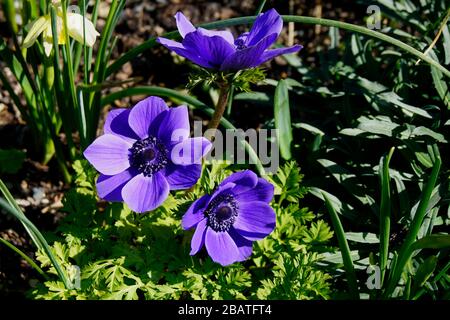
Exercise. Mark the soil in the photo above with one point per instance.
(39, 189)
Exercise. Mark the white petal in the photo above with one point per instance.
(75, 26)
(37, 27)
(48, 45)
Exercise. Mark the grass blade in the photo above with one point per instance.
(345, 250)
(385, 211)
(11, 206)
(283, 119)
(405, 250)
(25, 257)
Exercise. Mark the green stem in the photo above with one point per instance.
(100, 66)
(287, 18)
(260, 7)
(230, 101)
(10, 13)
(66, 112)
(25, 257)
(67, 57)
(345, 250)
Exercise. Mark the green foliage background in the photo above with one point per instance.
(125, 255)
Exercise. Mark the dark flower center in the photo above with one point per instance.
(222, 212)
(148, 156)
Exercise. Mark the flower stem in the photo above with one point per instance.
(224, 90)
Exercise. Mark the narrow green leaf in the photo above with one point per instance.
(10, 13)
(405, 251)
(283, 119)
(385, 211)
(11, 206)
(25, 257)
(424, 272)
(434, 241)
(345, 250)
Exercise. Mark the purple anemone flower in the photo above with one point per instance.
(219, 50)
(228, 221)
(145, 152)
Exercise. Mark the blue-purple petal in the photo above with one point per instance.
(246, 179)
(183, 24)
(267, 23)
(225, 34)
(270, 54)
(221, 247)
(110, 187)
(143, 194)
(190, 151)
(245, 246)
(144, 113)
(255, 220)
(198, 239)
(249, 57)
(109, 154)
(195, 213)
(213, 49)
(263, 191)
(174, 127)
(190, 54)
(117, 123)
(182, 177)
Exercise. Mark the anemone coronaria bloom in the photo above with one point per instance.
(228, 221)
(144, 153)
(221, 51)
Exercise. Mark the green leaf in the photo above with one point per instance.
(287, 182)
(318, 233)
(362, 237)
(434, 241)
(340, 207)
(348, 180)
(414, 228)
(441, 86)
(11, 160)
(446, 42)
(385, 210)
(260, 98)
(424, 271)
(345, 250)
(283, 119)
